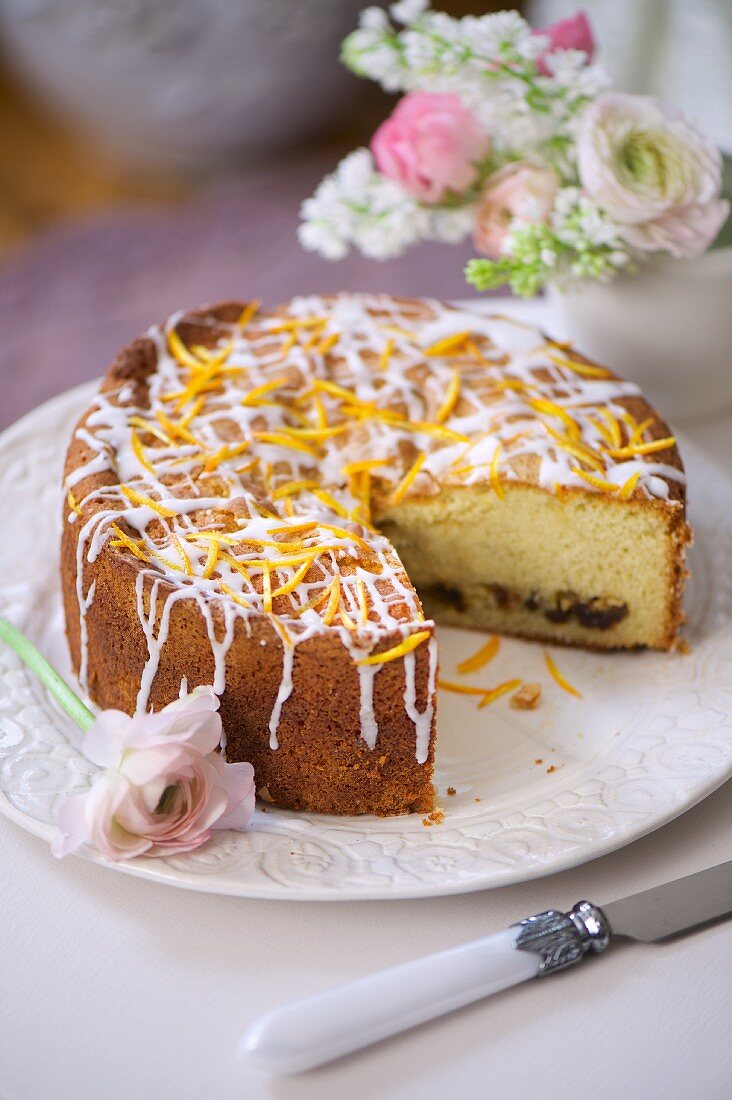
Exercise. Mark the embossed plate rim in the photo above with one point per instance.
(249, 880)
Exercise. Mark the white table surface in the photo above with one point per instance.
(112, 988)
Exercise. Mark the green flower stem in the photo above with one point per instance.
(47, 674)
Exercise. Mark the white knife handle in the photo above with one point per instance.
(319, 1029)
(328, 1025)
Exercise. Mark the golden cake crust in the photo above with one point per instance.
(321, 762)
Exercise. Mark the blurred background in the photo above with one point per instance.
(154, 153)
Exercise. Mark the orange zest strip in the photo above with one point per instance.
(586, 370)
(613, 438)
(314, 338)
(181, 353)
(192, 413)
(147, 502)
(263, 563)
(596, 482)
(295, 323)
(280, 439)
(72, 503)
(363, 602)
(234, 563)
(627, 489)
(177, 430)
(150, 428)
(495, 475)
(485, 654)
(187, 567)
(386, 353)
(460, 689)
(639, 429)
(211, 536)
(644, 448)
(284, 546)
(347, 621)
(321, 417)
(233, 595)
(333, 600)
(316, 434)
(292, 528)
(125, 540)
(211, 559)
(331, 502)
(577, 450)
(139, 453)
(328, 343)
(550, 408)
(130, 544)
(323, 385)
(341, 533)
(289, 488)
(450, 343)
(249, 311)
(438, 430)
(260, 391)
(557, 676)
(502, 689)
(321, 597)
(406, 483)
(450, 399)
(224, 454)
(366, 466)
(282, 631)
(396, 651)
(613, 427)
(294, 581)
(266, 590)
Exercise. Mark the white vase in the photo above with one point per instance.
(668, 328)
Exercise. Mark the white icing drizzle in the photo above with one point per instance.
(258, 432)
(369, 726)
(283, 694)
(422, 718)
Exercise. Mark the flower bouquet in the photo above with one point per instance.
(512, 135)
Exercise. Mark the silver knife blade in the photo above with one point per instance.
(673, 908)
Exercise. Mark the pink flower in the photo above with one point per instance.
(431, 145)
(523, 191)
(653, 171)
(165, 788)
(574, 33)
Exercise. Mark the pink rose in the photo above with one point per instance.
(574, 33)
(165, 786)
(654, 172)
(524, 191)
(431, 145)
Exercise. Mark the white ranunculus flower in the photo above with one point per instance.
(653, 172)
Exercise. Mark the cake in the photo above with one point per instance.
(281, 504)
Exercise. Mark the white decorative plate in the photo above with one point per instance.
(536, 791)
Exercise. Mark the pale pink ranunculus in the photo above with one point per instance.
(431, 144)
(653, 171)
(522, 191)
(574, 33)
(164, 787)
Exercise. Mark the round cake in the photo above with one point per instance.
(278, 503)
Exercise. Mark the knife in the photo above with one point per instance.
(319, 1029)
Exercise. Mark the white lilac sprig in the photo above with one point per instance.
(510, 134)
(163, 787)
